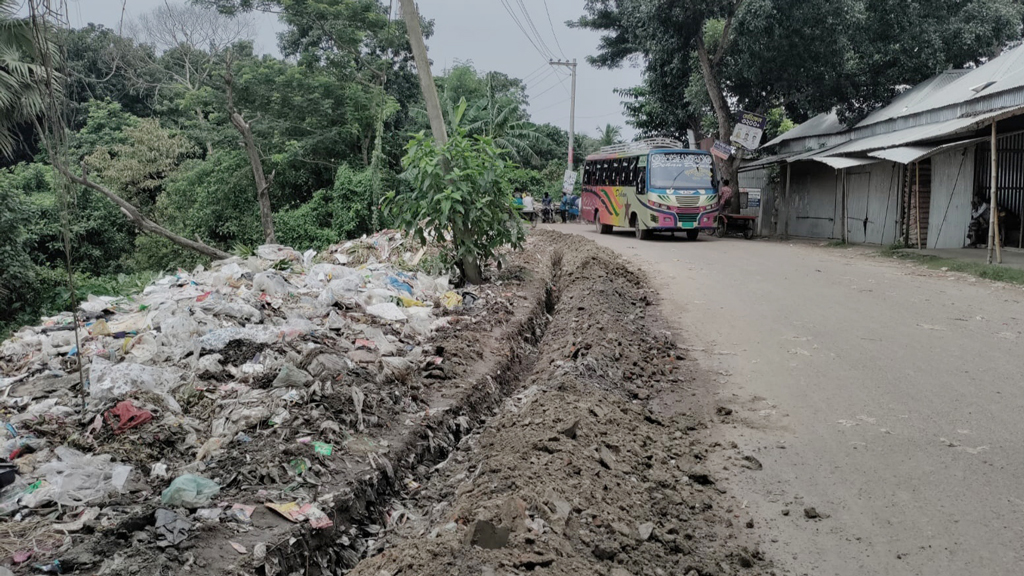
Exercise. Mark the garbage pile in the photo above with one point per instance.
(212, 393)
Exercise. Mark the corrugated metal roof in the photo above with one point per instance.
(817, 126)
(909, 154)
(905, 102)
(952, 95)
(1005, 72)
(754, 164)
(843, 163)
(924, 133)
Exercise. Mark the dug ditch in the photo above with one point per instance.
(568, 438)
(596, 464)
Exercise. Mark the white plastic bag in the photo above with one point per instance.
(75, 479)
(115, 381)
(387, 311)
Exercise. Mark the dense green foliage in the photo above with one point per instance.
(148, 119)
(797, 57)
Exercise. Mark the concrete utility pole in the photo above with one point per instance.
(419, 52)
(572, 105)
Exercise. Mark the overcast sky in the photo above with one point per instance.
(480, 31)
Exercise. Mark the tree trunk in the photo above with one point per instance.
(729, 170)
(262, 184)
(249, 142)
(143, 223)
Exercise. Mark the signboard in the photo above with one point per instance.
(753, 197)
(722, 150)
(749, 129)
(569, 181)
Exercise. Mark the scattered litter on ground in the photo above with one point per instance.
(202, 387)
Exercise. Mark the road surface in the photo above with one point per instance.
(888, 397)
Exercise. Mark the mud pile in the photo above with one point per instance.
(596, 466)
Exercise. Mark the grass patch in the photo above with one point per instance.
(977, 269)
(836, 244)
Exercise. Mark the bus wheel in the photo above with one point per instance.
(601, 228)
(641, 234)
(692, 234)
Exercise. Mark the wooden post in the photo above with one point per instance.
(917, 196)
(785, 202)
(993, 206)
(419, 52)
(846, 211)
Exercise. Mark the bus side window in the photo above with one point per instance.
(618, 172)
(641, 179)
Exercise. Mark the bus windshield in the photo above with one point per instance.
(681, 170)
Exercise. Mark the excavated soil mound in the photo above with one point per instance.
(584, 470)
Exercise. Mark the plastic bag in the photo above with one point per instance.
(276, 253)
(115, 381)
(292, 377)
(341, 290)
(189, 491)
(75, 479)
(389, 311)
(272, 284)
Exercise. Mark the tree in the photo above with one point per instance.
(609, 135)
(458, 198)
(21, 98)
(667, 30)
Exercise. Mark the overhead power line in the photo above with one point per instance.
(553, 33)
(522, 29)
(536, 32)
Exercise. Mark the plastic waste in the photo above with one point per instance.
(75, 479)
(387, 311)
(451, 300)
(125, 416)
(276, 253)
(172, 529)
(292, 377)
(189, 491)
(272, 284)
(114, 381)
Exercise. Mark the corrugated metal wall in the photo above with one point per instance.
(873, 196)
(813, 207)
(952, 188)
(759, 179)
(1011, 171)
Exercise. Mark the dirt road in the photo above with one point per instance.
(886, 396)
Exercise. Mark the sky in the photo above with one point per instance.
(478, 31)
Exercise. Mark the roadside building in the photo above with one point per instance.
(908, 171)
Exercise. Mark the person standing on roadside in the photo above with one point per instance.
(725, 193)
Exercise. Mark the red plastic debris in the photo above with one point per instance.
(128, 416)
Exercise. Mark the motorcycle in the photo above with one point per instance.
(547, 215)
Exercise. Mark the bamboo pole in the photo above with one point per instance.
(785, 203)
(917, 195)
(993, 206)
(846, 211)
